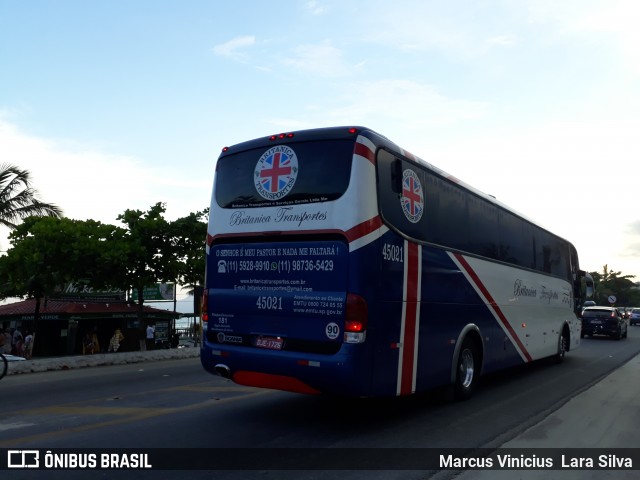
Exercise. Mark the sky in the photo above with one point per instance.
(118, 105)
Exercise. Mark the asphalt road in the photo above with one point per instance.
(176, 405)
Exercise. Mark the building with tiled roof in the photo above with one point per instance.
(62, 324)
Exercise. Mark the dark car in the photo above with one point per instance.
(634, 316)
(603, 321)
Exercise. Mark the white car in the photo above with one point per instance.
(13, 358)
(4, 363)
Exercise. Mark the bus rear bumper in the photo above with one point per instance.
(276, 382)
(310, 374)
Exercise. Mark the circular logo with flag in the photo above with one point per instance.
(412, 199)
(276, 172)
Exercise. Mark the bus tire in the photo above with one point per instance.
(563, 342)
(467, 370)
(4, 366)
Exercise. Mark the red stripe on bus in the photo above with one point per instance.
(272, 233)
(493, 304)
(363, 229)
(411, 319)
(364, 151)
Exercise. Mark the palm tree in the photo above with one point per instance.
(18, 199)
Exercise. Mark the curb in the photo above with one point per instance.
(100, 359)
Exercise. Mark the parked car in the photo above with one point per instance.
(588, 303)
(13, 358)
(603, 321)
(4, 363)
(634, 316)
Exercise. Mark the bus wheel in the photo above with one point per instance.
(562, 347)
(467, 370)
(4, 366)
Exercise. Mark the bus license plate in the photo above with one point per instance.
(270, 343)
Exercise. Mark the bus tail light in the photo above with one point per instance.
(204, 314)
(355, 322)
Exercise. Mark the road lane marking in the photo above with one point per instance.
(91, 410)
(203, 388)
(142, 414)
(12, 426)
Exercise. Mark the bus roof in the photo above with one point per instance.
(352, 132)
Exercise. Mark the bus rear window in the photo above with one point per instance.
(287, 174)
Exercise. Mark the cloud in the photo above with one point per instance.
(414, 105)
(503, 40)
(634, 228)
(443, 27)
(88, 183)
(612, 25)
(85, 183)
(322, 60)
(315, 7)
(408, 112)
(619, 20)
(233, 48)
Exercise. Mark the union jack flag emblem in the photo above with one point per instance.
(276, 172)
(412, 199)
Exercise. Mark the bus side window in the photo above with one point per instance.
(396, 176)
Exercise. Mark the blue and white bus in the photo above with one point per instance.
(339, 263)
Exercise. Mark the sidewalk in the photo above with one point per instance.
(605, 416)
(81, 361)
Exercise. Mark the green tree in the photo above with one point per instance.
(146, 253)
(47, 252)
(610, 282)
(18, 199)
(188, 239)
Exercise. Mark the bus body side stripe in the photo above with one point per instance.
(409, 331)
(359, 236)
(492, 304)
(364, 228)
(365, 233)
(365, 148)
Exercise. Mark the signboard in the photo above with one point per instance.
(159, 292)
(83, 290)
(162, 331)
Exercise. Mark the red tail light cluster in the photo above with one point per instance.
(356, 316)
(205, 305)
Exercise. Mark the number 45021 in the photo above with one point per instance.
(269, 303)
